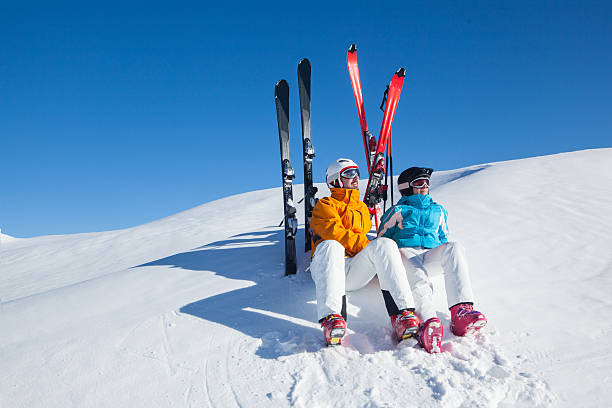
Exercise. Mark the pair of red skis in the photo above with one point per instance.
(374, 151)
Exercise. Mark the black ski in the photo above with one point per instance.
(281, 96)
(308, 150)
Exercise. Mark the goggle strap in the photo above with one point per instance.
(403, 186)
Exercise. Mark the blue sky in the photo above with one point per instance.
(120, 114)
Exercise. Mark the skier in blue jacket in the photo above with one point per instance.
(419, 227)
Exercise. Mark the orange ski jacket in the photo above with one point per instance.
(343, 218)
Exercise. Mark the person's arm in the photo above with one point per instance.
(443, 229)
(327, 224)
(389, 221)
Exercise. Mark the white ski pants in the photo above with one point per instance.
(333, 274)
(422, 264)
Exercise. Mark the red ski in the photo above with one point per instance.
(375, 191)
(374, 151)
(369, 141)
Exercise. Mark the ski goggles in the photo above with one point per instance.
(350, 173)
(420, 183)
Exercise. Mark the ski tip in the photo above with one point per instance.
(352, 48)
(281, 88)
(401, 72)
(303, 70)
(281, 84)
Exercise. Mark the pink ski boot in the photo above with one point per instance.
(464, 319)
(430, 335)
(405, 324)
(334, 327)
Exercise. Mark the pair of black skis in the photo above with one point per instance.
(281, 96)
(374, 150)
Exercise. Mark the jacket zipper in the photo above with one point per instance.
(422, 225)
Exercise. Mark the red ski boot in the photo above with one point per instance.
(464, 319)
(334, 327)
(405, 324)
(430, 335)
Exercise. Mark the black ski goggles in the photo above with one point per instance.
(350, 173)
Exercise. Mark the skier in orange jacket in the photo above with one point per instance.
(343, 258)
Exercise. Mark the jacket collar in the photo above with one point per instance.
(416, 200)
(345, 194)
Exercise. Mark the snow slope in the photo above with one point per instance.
(193, 309)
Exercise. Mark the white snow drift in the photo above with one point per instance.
(193, 309)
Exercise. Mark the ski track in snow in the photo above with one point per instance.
(187, 312)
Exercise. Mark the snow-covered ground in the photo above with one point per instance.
(194, 310)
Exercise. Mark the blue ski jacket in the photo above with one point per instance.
(415, 221)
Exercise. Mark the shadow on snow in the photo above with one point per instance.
(440, 180)
(278, 310)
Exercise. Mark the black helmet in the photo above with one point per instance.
(409, 175)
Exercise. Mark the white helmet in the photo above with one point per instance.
(332, 175)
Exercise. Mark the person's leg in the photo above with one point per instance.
(419, 280)
(327, 269)
(381, 257)
(451, 256)
(431, 329)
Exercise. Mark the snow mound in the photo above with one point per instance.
(194, 309)
(4, 238)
